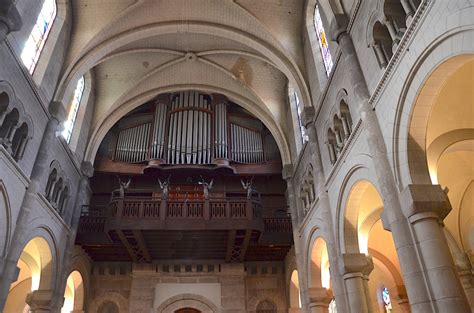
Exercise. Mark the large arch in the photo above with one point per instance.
(74, 293)
(96, 54)
(118, 112)
(5, 219)
(364, 233)
(187, 301)
(36, 273)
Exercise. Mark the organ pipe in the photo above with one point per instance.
(189, 130)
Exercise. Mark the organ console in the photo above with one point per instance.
(190, 128)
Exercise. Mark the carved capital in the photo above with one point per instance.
(9, 16)
(57, 110)
(307, 116)
(338, 26)
(417, 199)
(287, 171)
(87, 169)
(356, 263)
(39, 300)
(320, 296)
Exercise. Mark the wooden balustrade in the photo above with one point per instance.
(130, 210)
(92, 224)
(278, 225)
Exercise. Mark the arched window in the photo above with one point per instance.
(76, 101)
(386, 300)
(299, 110)
(35, 43)
(322, 39)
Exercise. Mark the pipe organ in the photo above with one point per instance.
(247, 145)
(189, 128)
(132, 144)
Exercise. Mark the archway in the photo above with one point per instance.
(441, 142)
(187, 310)
(320, 276)
(74, 293)
(108, 307)
(364, 233)
(295, 296)
(35, 273)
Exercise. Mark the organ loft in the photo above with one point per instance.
(230, 156)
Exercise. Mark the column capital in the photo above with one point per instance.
(307, 116)
(287, 171)
(338, 26)
(320, 296)
(417, 199)
(57, 110)
(39, 300)
(356, 263)
(87, 169)
(9, 17)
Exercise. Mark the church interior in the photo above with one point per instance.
(262, 156)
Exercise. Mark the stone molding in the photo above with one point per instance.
(418, 200)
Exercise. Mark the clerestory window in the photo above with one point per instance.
(35, 43)
(76, 102)
(322, 39)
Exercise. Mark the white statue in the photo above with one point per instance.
(206, 187)
(164, 186)
(123, 186)
(248, 187)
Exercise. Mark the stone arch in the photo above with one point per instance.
(74, 293)
(265, 295)
(97, 53)
(116, 113)
(187, 301)
(36, 273)
(294, 292)
(109, 296)
(5, 219)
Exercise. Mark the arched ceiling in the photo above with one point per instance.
(247, 50)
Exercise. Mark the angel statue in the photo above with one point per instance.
(123, 186)
(248, 187)
(164, 186)
(206, 187)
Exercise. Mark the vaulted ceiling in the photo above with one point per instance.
(247, 50)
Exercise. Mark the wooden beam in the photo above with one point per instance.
(230, 245)
(245, 244)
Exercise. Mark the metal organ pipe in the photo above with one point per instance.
(189, 130)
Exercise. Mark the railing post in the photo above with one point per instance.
(141, 209)
(163, 209)
(207, 209)
(227, 209)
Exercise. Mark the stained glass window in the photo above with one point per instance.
(299, 109)
(322, 39)
(71, 118)
(386, 300)
(35, 43)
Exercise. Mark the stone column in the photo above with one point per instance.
(308, 117)
(40, 170)
(409, 11)
(287, 174)
(319, 299)
(356, 268)
(10, 19)
(424, 293)
(425, 206)
(83, 198)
